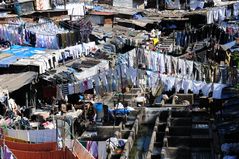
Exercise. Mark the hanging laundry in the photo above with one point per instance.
(197, 86)
(189, 69)
(187, 85)
(222, 13)
(72, 8)
(161, 63)
(228, 13)
(49, 146)
(217, 90)
(7, 153)
(181, 67)
(215, 14)
(206, 89)
(59, 154)
(168, 61)
(102, 154)
(210, 17)
(235, 9)
(196, 4)
(92, 147)
(19, 134)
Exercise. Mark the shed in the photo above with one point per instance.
(102, 18)
(15, 81)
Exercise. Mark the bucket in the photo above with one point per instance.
(99, 110)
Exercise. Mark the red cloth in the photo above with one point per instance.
(48, 146)
(38, 151)
(61, 154)
(39, 155)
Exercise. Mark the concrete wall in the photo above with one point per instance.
(153, 139)
(108, 131)
(150, 114)
(172, 135)
(132, 136)
(123, 3)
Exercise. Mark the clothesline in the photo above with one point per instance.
(221, 13)
(168, 64)
(152, 74)
(107, 85)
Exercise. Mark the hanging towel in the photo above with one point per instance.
(178, 84)
(206, 89)
(102, 154)
(215, 14)
(210, 17)
(217, 90)
(187, 85)
(222, 13)
(197, 86)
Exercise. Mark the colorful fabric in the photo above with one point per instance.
(7, 153)
(50, 146)
(80, 151)
(39, 155)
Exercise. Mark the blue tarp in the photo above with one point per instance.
(18, 52)
(119, 111)
(7, 61)
(98, 8)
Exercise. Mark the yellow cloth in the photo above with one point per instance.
(155, 41)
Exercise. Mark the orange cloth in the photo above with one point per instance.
(50, 146)
(39, 155)
(15, 140)
(12, 140)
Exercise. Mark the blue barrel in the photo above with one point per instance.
(99, 110)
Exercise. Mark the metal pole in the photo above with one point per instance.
(65, 4)
(64, 132)
(157, 4)
(121, 79)
(27, 99)
(56, 128)
(173, 40)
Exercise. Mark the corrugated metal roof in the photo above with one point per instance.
(14, 81)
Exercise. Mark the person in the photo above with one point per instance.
(53, 103)
(3, 108)
(140, 100)
(90, 112)
(63, 109)
(150, 97)
(169, 100)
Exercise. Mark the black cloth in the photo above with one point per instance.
(32, 39)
